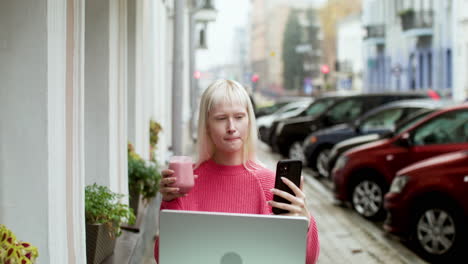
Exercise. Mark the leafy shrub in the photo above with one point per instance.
(102, 206)
(143, 176)
(14, 251)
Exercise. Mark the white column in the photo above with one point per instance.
(105, 95)
(75, 133)
(162, 94)
(40, 107)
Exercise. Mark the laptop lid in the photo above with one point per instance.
(226, 238)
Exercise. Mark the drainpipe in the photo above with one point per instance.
(177, 78)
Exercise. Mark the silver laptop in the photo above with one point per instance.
(224, 238)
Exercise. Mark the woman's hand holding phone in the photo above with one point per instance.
(288, 198)
(298, 206)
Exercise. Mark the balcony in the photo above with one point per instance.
(417, 22)
(375, 34)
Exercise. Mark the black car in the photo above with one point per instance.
(268, 110)
(348, 144)
(381, 120)
(319, 105)
(290, 134)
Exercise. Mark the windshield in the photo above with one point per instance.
(383, 119)
(410, 121)
(319, 107)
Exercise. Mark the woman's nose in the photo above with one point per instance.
(231, 128)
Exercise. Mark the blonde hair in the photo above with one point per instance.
(231, 92)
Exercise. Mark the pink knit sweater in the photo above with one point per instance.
(234, 189)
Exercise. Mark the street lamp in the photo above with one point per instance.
(206, 13)
(201, 12)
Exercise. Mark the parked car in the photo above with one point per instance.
(315, 109)
(363, 175)
(381, 120)
(290, 133)
(428, 203)
(289, 110)
(329, 161)
(268, 110)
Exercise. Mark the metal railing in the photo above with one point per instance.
(417, 19)
(375, 31)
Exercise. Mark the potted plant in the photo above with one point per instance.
(407, 16)
(143, 178)
(104, 213)
(155, 129)
(13, 251)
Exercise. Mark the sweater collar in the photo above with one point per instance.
(225, 169)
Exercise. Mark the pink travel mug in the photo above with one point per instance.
(183, 172)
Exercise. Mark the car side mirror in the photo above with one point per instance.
(404, 141)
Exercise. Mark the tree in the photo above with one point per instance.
(292, 61)
(329, 15)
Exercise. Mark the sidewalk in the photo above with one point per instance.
(344, 236)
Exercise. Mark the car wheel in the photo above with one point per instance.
(296, 152)
(367, 199)
(438, 231)
(322, 161)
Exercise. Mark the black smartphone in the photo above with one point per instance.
(290, 169)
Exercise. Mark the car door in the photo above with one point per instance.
(444, 133)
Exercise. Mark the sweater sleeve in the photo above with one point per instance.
(313, 245)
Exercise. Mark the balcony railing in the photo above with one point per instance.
(375, 31)
(416, 19)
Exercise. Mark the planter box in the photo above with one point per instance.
(99, 243)
(134, 201)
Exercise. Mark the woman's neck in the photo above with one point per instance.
(228, 159)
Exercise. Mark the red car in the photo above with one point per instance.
(428, 203)
(363, 175)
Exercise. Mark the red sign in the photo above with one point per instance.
(255, 78)
(197, 74)
(325, 69)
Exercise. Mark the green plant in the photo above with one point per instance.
(143, 176)
(102, 206)
(13, 251)
(405, 12)
(155, 128)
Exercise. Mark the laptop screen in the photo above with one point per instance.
(225, 238)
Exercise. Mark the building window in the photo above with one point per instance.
(429, 72)
(421, 71)
(449, 68)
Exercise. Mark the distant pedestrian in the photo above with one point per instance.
(227, 164)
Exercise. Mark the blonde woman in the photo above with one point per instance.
(230, 177)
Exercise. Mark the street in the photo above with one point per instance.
(345, 237)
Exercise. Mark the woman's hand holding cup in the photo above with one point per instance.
(166, 186)
(178, 180)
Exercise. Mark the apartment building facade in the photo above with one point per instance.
(409, 45)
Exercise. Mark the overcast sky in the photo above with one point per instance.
(231, 14)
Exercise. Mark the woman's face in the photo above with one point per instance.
(228, 126)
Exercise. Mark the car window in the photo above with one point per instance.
(411, 120)
(319, 107)
(345, 110)
(383, 119)
(445, 129)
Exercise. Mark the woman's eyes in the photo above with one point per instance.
(225, 117)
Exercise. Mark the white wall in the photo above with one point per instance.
(40, 107)
(460, 50)
(350, 46)
(23, 121)
(105, 94)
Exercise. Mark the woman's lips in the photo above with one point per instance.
(231, 139)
